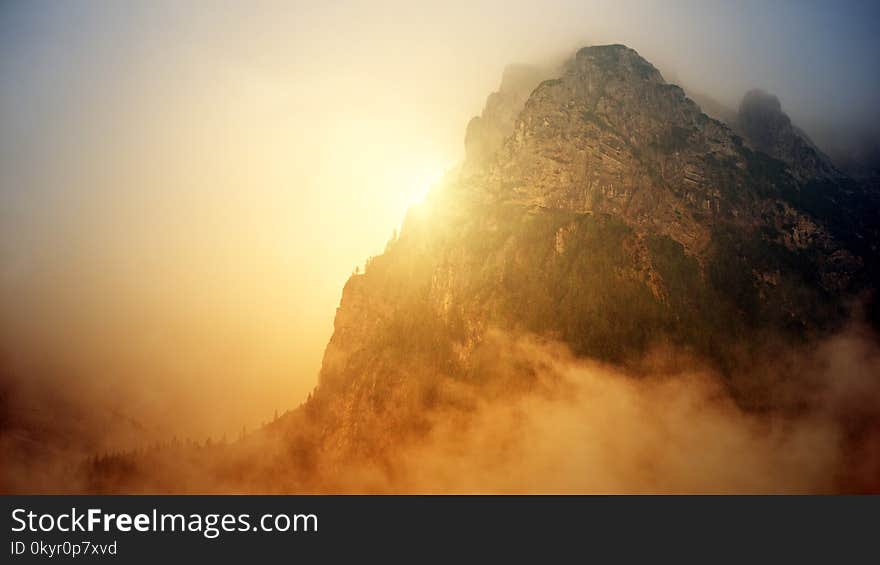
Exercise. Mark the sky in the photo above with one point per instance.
(186, 186)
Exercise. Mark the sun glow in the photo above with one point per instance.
(416, 195)
(417, 191)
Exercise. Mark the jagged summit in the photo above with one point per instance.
(486, 133)
(767, 128)
(610, 135)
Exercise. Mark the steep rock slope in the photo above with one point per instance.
(614, 214)
(615, 217)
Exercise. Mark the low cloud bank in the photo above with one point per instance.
(589, 427)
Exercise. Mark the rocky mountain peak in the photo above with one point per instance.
(603, 208)
(601, 194)
(610, 135)
(768, 129)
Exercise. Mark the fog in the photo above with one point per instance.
(184, 190)
(560, 424)
(669, 427)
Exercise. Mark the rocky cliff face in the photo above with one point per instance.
(613, 215)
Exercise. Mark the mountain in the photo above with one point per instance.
(599, 215)
(615, 214)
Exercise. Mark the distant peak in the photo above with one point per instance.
(763, 123)
(762, 105)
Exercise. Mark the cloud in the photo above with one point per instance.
(582, 426)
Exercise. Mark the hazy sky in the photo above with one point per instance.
(185, 186)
